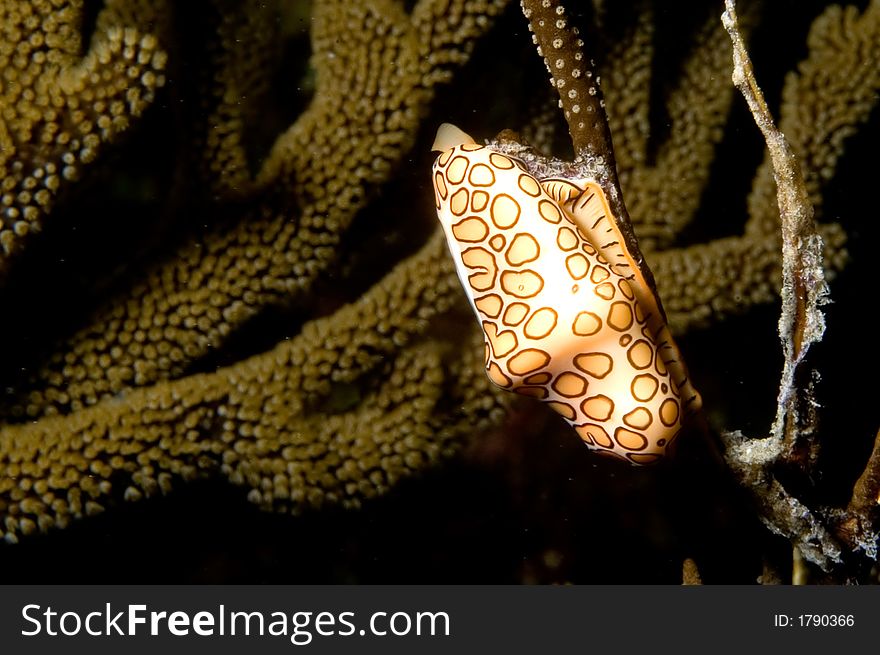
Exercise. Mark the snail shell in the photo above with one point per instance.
(566, 314)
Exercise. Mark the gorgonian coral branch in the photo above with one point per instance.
(58, 108)
(833, 92)
(859, 524)
(573, 76)
(800, 325)
(580, 97)
(665, 191)
(372, 87)
(803, 280)
(268, 422)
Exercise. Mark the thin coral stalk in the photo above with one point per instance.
(860, 523)
(572, 74)
(803, 281)
(801, 324)
(580, 98)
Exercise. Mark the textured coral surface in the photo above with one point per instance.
(223, 291)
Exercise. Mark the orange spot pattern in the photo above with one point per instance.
(562, 324)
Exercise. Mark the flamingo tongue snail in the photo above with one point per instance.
(567, 316)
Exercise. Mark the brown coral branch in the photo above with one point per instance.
(269, 422)
(244, 47)
(866, 492)
(59, 109)
(573, 77)
(801, 324)
(666, 195)
(859, 524)
(626, 69)
(781, 513)
(706, 282)
(373, 85)
(580, 97)
(832, 93)
(803, 280)
(703, 284)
